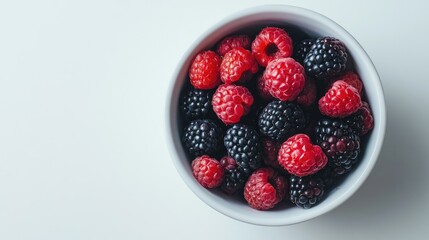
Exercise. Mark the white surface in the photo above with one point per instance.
(82, 149)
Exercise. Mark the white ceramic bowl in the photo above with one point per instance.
(313, 24)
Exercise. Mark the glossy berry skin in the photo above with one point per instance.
(361, 121)
(243, 145)
(204, 70)
(208, 171)
(327, 58)
(352, 79)
(302, 48)
(340, 144)
(285, 78)
(234, 176)
(300, 157)
(238, 65)
(202, 137)
(271, 43)
(308, 95)
(196, 104)
(232, 42)
(306, 192)
(279, 120)
(231, 102)
(265, 188)
(341, 100)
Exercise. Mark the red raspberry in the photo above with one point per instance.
(270, 150)
(285, 78)
(207, 171)
(263, 91)
(301, 158)
(238, 65)
(368, 119)
(308, 95)
(341, 100)
(204, 70)
(350, 78)
(265, 188)
(232, 42)
(271, 43)
(231, 102)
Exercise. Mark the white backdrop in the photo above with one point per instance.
(82, 134)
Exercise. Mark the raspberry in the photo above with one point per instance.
(361, 121)
(263, 91)
(265, 188)
(280, 120)
(270, 152)
(352, 79)
(201, 137)
(208, 171)
(231, 102)
(204, 70)
(238, 65)
(234, 176)
(196, 104)
(232, 42)
(341, 100)
(308, 95)
(242, 143)
(327, 58)
(285, 78)
(271, 43)
(306, 192)
(339, 142)
(301, 50)
(301, 158)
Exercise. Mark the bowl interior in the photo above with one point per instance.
(291, 19)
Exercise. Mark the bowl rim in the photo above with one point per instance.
(379, 134)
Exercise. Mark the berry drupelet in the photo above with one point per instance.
(202, 137)
(196, 104)
(306, 192)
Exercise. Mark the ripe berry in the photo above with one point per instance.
(231, 102)
(327, 58)
(306, 192)
(196, 104)
(301, 49)
(271, 43)
(263, 91)
(238, 65)
(285, 78)
(243, 145)
(208, 171)
(352, 79)
(280, 120)
(300, 157)
(270, 152)
(232, 42)
(202, 137)
(265, 188)
(340, 144)
(234, 177)
(204, 70)
(341, 100)
(361, 121)
(308, 95)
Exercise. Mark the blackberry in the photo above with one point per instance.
(196, 104)
(307, 191)
(279, 120)
(330, 179)
(327, 58)
(234, 176)
(301, 49)
(202, 137)
(355, 121)
(340, 144)
(242, 143)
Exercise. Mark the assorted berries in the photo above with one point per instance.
(272, 120)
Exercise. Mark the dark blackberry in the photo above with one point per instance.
(242, 143)
(330, 179)
(326, 58)
(306, 192)
(234, 176)
(279, 120)
(339, 142)
(355, 122)
(301, 49)
(202, 137)
(196, 104)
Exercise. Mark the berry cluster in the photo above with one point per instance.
(274, 120)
